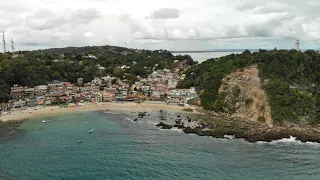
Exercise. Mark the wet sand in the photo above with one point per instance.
(56, 110)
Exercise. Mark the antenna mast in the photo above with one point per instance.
(12, 45)
(4, 42)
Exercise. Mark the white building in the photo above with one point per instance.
(298, 45)
(192, 93)
(101, 68)
(92, 56)
(96, 81)
(80, 81)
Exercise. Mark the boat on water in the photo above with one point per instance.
(90, 130)
(4, 113)
(79, 141)
(44, 121)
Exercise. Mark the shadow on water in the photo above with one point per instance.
(3, 176)
(9, 132)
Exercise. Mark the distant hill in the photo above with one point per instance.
(214, 50)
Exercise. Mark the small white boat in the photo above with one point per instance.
(44, 121)
(90, 130)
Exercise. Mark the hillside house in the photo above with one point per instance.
(17, 92)
(108, 96)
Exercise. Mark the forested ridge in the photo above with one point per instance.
(31, 68)
(290, 78)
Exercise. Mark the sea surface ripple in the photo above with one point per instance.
(120, 148)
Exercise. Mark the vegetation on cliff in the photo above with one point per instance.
(290, 78)
(30, 68)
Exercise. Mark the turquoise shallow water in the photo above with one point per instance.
(122, 149)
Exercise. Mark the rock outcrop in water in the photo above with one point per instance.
(164, 126)
(8, 130)
(141, 114)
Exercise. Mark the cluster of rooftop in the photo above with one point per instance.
(158, 87)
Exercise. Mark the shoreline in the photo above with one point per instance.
(47, 111)
(250, 131)
(217, 128)
(305, 135)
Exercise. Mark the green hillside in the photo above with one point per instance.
(290, 78)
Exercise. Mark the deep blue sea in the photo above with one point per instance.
(120, 148)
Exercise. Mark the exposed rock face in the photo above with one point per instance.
(242, 96)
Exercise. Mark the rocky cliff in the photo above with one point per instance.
(242, 97)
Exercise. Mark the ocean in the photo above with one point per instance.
(205, 55)
(121, 148)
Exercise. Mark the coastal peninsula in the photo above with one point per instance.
(245, 95)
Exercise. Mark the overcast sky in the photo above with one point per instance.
(161, 24)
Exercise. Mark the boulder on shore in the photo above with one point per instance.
(179, 126)
(164, 126)
(141, 114)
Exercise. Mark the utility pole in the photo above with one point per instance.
(4, 42)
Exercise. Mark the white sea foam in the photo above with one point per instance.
(290, 140)
(110, 112)
(154, 123)
(172, 129)
(128, 119)
(176, 129)
(191, 134)
(229, 136)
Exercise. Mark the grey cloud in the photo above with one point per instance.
(13, 6)
(258, 31)
(273, 25)
(165, 13)
(308, 8)
(42, 20)
(86, 15)
(227, 22)
(249, 5)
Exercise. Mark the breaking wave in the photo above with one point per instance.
(128, 119)
(110, 112)
(172, 129)
(290, 140)
(176, 129)
(229, 136)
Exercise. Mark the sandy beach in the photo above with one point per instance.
(31, 113)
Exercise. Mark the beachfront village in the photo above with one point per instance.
(158, 87)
